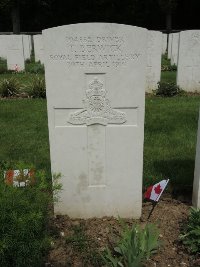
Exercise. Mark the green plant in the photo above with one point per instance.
(9, 87)
(191, 233)
(24, 218)
(37, 88)
(33, 67)
(172, 67)
(165, 62)
(167, 89)
(135, 246)
(3, 66)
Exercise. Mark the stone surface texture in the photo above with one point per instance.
(15, 52)
(175, 45)
(27, 46)
(38, 48)
(154, 53)
(164, 43)
(188, 70)
(169, 52)
(95, 78)
(3, 46)
(196, 183)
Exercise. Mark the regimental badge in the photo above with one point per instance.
(97, 108)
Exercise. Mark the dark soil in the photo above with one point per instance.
(79, 242)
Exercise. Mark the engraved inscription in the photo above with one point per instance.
(97, 108)
(96, 51)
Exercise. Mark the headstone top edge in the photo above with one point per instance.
(94, 24)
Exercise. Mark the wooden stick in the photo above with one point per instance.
(154, 205)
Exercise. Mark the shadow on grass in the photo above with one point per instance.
(180, 173)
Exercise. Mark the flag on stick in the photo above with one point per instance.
(19, 178)
(154, 192)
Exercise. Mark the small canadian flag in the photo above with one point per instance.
(16, 68)
(154, 192)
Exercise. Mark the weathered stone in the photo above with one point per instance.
(196, 183)
(169, 52)
(164, 43)
(15, 53)
(188, 71)
(95, 78)
(154, 53)
(38, 48)
(175, 47)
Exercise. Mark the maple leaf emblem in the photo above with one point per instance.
(158, 189)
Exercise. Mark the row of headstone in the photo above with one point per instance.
(95, 79)
(17, 48)
(183, 51)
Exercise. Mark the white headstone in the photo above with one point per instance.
(3, 46)
(15, 52)
(174, 52)
(38, 48)
(188, 71)
(154, 53)
(164, 43)
(27, 46)
(169, 46)
(95, 78)
(196, 183)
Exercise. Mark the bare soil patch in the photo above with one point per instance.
(79, 242)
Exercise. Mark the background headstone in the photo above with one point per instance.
(196, 183)
(95, 78)
(188, 71)
(164, 43)
(3, 46)
(175, 45)
(15, 52)
(38, 48)
(27, 46)
(154, 53)
(169, 46)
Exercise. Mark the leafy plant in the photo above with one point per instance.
(37, 88)
(9, 87)
(135, 246)
(24, 217)
(191, 233)
(173, 67)
(167, 89)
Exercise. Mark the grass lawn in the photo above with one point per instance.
(170, 136)
(170, 139)
(168, 76)
(23, 78)
(24, 132)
